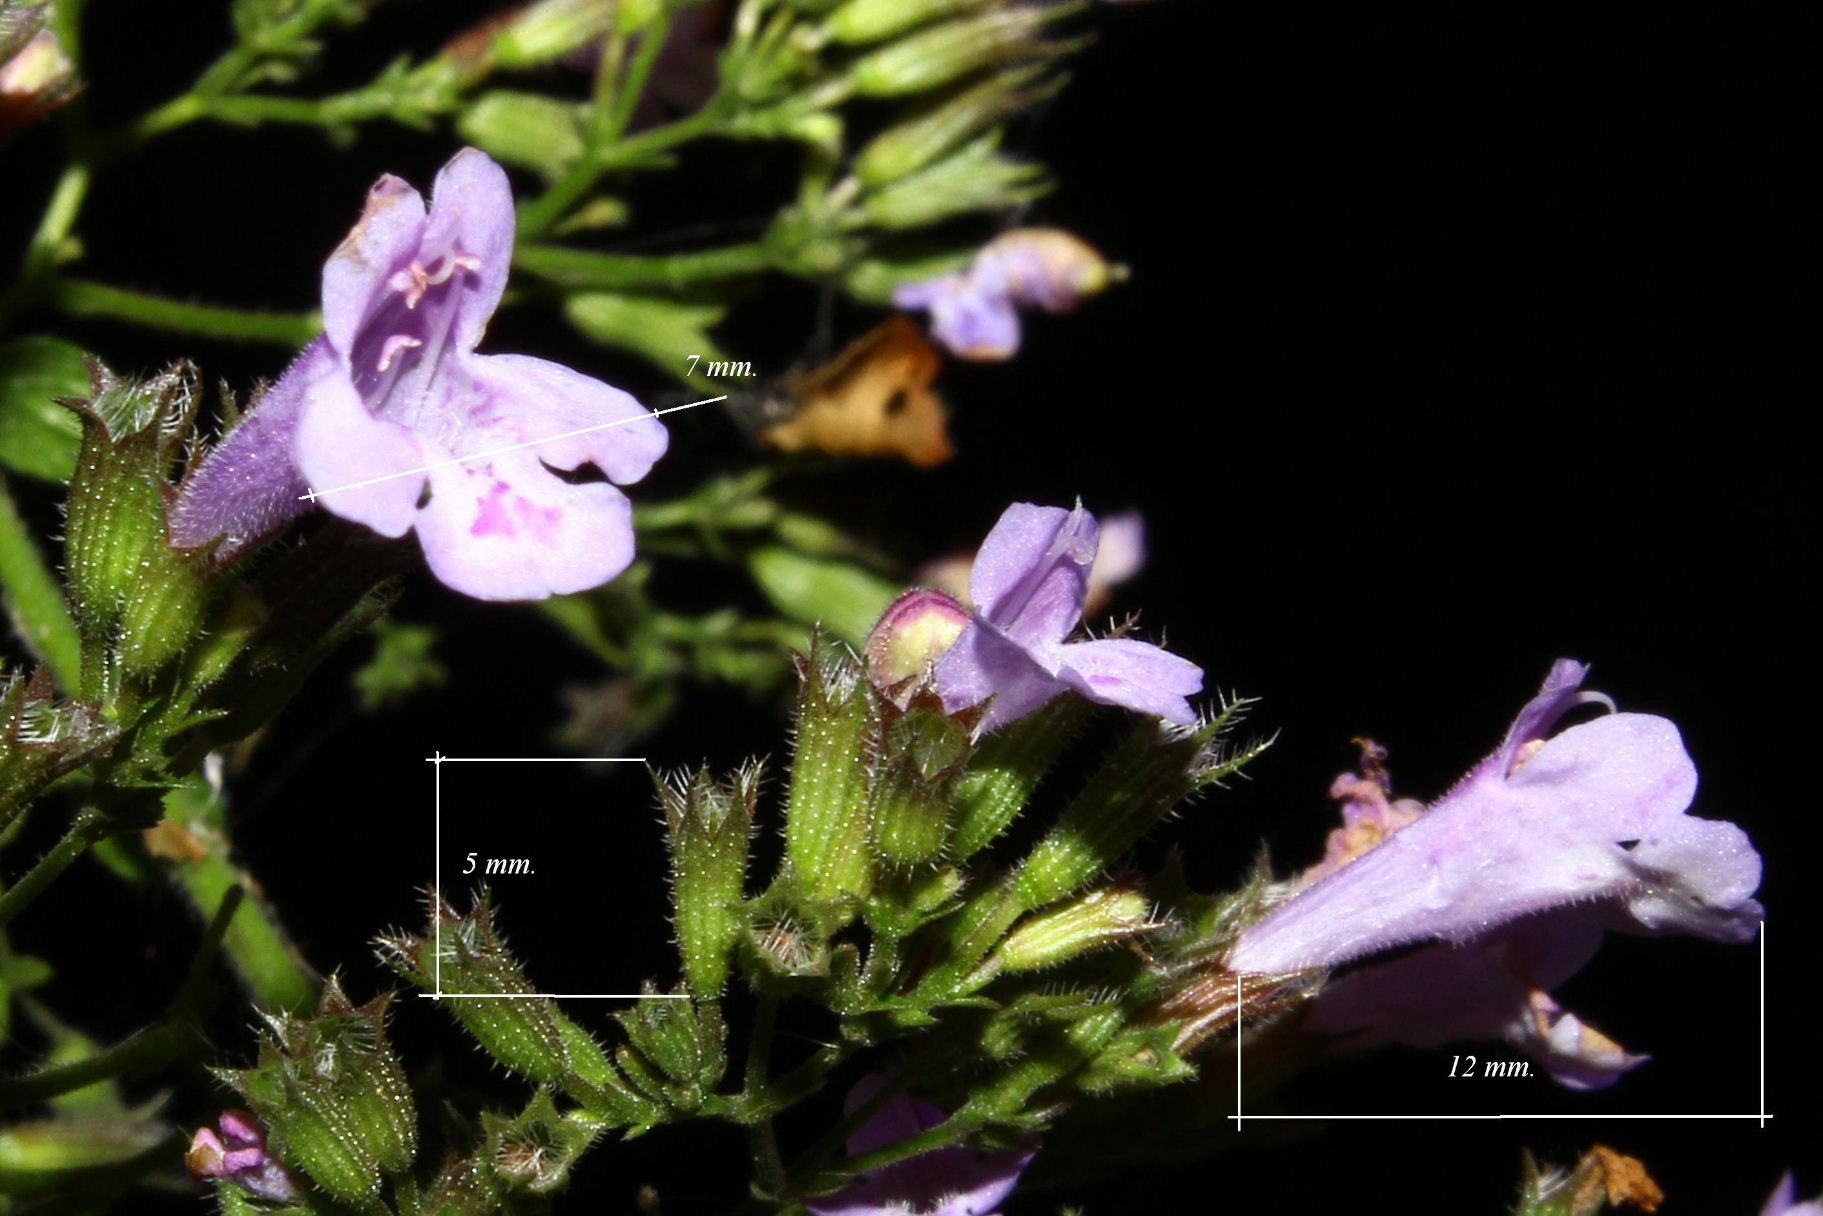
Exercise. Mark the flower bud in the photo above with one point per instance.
(1139, 784)
(975, 178)
(550, 29)
(842, 597)
(935, 56)
(1086, 923)
(908, 146)
(863, 21)
(911, 635)
(526, 129)
(235, 1152)
(35, 75)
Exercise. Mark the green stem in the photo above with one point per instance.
(626, 98)
(82, 298)
(144, 1050)
(541, 213)
(41, 255)
(34, 601)
(576, 268)
(256, 945)
(768, 1165)
(90, 826)
(228, 73)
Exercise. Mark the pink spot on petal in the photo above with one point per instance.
(491, 515)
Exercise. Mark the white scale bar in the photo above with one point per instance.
(313, 495)
(438, 761)
(1762, 1115)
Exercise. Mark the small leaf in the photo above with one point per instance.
(38, 437)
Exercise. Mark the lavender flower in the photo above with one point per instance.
(1496, 988)
(1028, 585)
(943, 1182)
(972, 311)
(1593, 816)
(392, 420)
(1784, 1201)
(237, 1154)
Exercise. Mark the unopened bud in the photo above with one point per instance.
(863, 21)
(911, 635)
(935, 56)
(914, 143)
(1088, 923)
(528, 129)
(235, 1151)
(550, 29)
(976, 178)
(35, 75)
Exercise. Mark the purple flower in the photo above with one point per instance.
(972, 311)
(1784, 1201)
(506, 466)
(943, 1182)
(1028, 585)
(1496, 988)
(237, 1154)
(1593, 816)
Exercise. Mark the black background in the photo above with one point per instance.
(1456, 341)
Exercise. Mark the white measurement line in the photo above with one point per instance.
(313, 495)
(1237, 1051)
(437, 760)
(1762, 1115)
(436, 921)
(556, 996)
(1359, 1118)
(536, 759)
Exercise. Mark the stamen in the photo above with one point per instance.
(393, 345)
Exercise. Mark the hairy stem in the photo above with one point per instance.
(90, 826)
(83, 298)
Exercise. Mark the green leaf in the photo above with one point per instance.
(38, 437)
(528, 129)
(664, 331)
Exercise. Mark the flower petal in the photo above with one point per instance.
(384, 241)
(538, 400)
(510, 530)
(471, 212)
(1134, 674)
(1695, 876)
(1557, 832)
(1445, 994)
(1558, 697)
(340, 446)
(1032, 573)
(249, 484)
(975, 325)
(986, 663)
